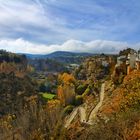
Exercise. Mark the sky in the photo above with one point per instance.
(45, 26)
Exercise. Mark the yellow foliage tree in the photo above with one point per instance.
(66, 89)
(66, 78)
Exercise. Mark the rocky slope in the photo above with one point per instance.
(118, 117)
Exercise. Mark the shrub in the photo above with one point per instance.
(68, 109)
(78, 100)
(42, 87)
(80, 89)
(87, 91)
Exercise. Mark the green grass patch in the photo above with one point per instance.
(48, 96)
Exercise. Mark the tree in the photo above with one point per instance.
(80, 89)
(66, 89)
(66, 78)
(127, 51)
(66, 94)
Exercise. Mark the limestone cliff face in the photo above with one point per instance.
(118, 115)
(94, 68)
(123, 97)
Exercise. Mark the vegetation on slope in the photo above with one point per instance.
(25, 116)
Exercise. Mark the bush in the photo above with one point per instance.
(80, 89)
(42, 87)
(68, 109)
(78, 100)
(87, 91)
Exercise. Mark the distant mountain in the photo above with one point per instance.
(61, 56)
(56, 61)
(33, 56)
(58, 54)
(67, 54)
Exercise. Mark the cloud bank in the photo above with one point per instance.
(54, 21)
(97, 46)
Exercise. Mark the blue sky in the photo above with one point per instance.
(28, 25)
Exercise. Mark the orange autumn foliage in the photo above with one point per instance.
(66, 78)
(51, 104)
(125, 96)
(66, 94)
(66, 89)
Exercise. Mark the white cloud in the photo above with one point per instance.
(96, 46)
(26, 17)
(29, 19)
(60, 20)
(19, 13)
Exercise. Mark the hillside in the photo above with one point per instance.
(58, 54)
(97, 100)
(67, 54)
(56, 62)
(62, 57)
(18, 92)
(48, 65)
(14, 92)
(121, 109)
(15, 84)
(118, 117)
(124, 97)
(10, 62)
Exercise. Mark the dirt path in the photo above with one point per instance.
(96, 109)
(71, 118)
(82, 111)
